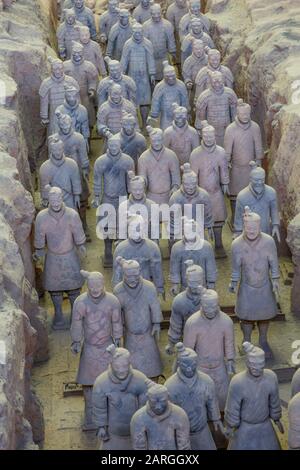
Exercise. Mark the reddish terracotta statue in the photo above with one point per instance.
(252, 402)
(58, 238)
(160, 425)
(210, 333)
(117, 394)
(142, 317)
(67, 32)
(92, 51)
(96, 323)
(196, 32)
(117, 76)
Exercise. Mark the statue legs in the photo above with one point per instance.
(72, 295)
(219, 248)
(59, 322)
(232, 206)
(82, 213)
(263, 338)
(108, 256)
(247, 328)
(144, 110)
(88, 424)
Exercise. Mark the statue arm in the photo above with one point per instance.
(117, 322)
(83, 155)
(77, 330)
(156, 103)
(229, 346)
(175, 174)
(224, 171)
(233, 406)
(125, 58)
(102, 120)
(100, 61)
(156, 267)
(44, 106)
(138, 433)
(183, 433)
(45, 180)
(175, 266)
(92, 26)
(156, 314)
(171, 43)
(85, 129)
(274, 210)
(273, 262)
(190, 335)
(76, 181)
(77, 230)
(274, 401)
(233, 105)
(175, 331)
(100, 406)
(211, 268)
(238, 217)
(258, 145)
(117, 270)
(39, 234)
(236, 264)
(208, 213)
(228, 144)
(98, 180)
(212, 404)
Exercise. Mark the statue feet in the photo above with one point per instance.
(60, 324)
(220, 252)
(107, 261)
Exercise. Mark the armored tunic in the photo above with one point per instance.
(139, 207)
(213, 341)
(219, 109)
(86, 75)
(148, 255)
(141, 14)
(183, 306)
(294, 422)
(191, 66)
(141, 310)
(185, 22)
(110, 115)
(164, 96)
(211, 167)
(133, 145)
(126, 83)
(161, 172)
(92, 52)
(202, 79)
(63, 174)
(86, 17)
(97, 322)
(79, 115)
(255, 263)
(65, 35)
(60, 232)
(163, 41)
(52, 94)
(106, 22)
(174, 15)
(203, 257)
(181, 140)
(251, 404)
(138, 62)
(197, 397)
(264, 204)
(114, 404)
(169, 431)
(187, 44)
(117, 37)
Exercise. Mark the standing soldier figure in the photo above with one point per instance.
(118, 35)
(67, 32)
(116, 75)
(92, 51)
(108, 19)
(85, 16)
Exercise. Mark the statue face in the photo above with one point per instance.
(114, 147)
(79, 3)
(214, 60)
(157, 140)
(58, 70)
(56, 201)
(145, 3)
(137, 190)
(190, 185)
(256, 368)
(70, 18)
(121, 367)
(198, 50)
(65, 126)
(156, 15)
(136, 231)
(71, 97)
(188, 366)
(115, 71)
(132, 277)
(180, 119)
(252, 229)
(217, 84)
(124, 19)
(190, 234)
(257, 183)
(244, 114)
(85, 36)
(113, 5)
(138, 36)
(210, 308)
(197, 28)
(95, 286)
(181, 3)
(128, 127)
(209, 137)
(57, 151)
(195, 283)
(195, 9)
(158, 403)
(77, 56)
(170, 77)
(116, 95)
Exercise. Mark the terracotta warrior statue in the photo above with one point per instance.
(116, 76)
(145, 251)
(77, 112)
(260, 198)
(117, 394)
(217, 105)
(160, 425)
(133, 143)
(110, 113)
(210, 333)
(195, 393)
(96, 324)
(118, 35)
(210, 164)
(161, 34)
(160, 168)
(85, 16)
(75, 148)
(67, 32)
(175, 11)
(108, 19)
(142, 317)
(185, 304)
(191, 194)
(60, 239)
(170, 90)
(253, 402)
(192, 66)
(196, 32)
(142, 12)
(62, 172)
(255, 266)
(294, 422)
(138, 62)
(193, 247)
(52, 93)
(111, 182)
(194, 11)
(202, 80)
(180, 136)
(92, 51)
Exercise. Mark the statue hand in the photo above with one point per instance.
(228, 432)
(85, 173)
(82, 251)
(280, 426)
(275, 284)
(91, 93)
(152, 80)
(232, 287)
(175, 289)
(103, 434)
(117, 342)
(225, 188)
(37, 255)
(76, 347)
(230, 367)
(102, 39)
(218, 426)
(45, 122)
(156, 331)
(169, 349)
(77, 201)
(189, 85)
(95, 202)
(211, 233)
(44, 203)
(276, 232)
(62, 53)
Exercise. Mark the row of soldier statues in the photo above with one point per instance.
(226, 160)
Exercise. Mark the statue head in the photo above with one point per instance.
(55, 198)
(146, 3)
(69, 15)
(136, 228)
(180, 115)
(216, 81)
(120, 362)
(255, 359)
(131, 272)
(113, 6)
(115, 93)
(71, 95)
(77, 52)
(95, 283)
(196, 26)
(128, 124)
(243, 112)
(114, 68)
(124, 17)
(158, 398)
(56, 148)
(169, 73)
(208, 134)
(156, 14)
(198, 48)
(57, 67)
(257, 178)
(79, 4)
(195, 7)
(64, 122)
(189, 179)
(252, 223)
(190, 230)
(194, 276)
(214, 58)
(210, 303)
(181, 3)
(187, 360)
(137, 32)
(156, 138)
(114, 145)
(137, 186)
(84, 34)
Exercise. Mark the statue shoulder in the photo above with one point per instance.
(45, 87)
